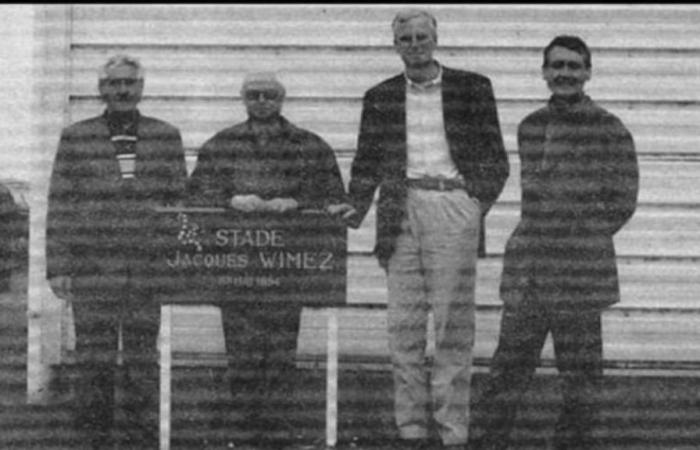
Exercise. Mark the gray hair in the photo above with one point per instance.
(262, 77)
(121, 60)
(406, 15)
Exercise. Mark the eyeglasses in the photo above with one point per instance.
(571, 65)
(406, 40)
(115, 82)
(262, 95)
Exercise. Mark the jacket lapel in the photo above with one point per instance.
(457, 113)
(144, 144)
(101, 134)
(393, 106)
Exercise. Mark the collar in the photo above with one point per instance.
(285, 128)
(569, 104)
(122, 123)
(426, 85)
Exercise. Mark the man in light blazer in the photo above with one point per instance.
(109, 173)
(430, 140)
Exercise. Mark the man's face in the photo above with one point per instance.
(122, 88)
(414, 42)
(566, 72)
(263, 100)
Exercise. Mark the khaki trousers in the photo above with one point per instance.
(433, 269)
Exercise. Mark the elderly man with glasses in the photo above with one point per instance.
(264, 164)
(109, 174)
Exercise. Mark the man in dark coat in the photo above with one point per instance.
(109, 173)
(430, 140)
(265, 164)
(579, 187)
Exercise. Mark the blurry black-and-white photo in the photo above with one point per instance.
(352, 226)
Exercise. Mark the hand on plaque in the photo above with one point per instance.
(282, 204)
(343, 210)
(248, 203)
(61, 286)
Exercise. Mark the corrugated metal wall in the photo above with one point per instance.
(15, 135)
(646, 61)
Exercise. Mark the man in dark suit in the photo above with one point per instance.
(579, 187)
(264, 165)
(109, 173)
(430, 140)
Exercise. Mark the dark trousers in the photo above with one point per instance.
(578, 350)
(261, 345)
(116, 402)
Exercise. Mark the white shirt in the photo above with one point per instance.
(426, 142)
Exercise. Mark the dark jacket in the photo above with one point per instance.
(579, 187)
(13, 229)
(294, 164)
(473, 134)
(96, 221)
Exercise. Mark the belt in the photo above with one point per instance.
(435, 184)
